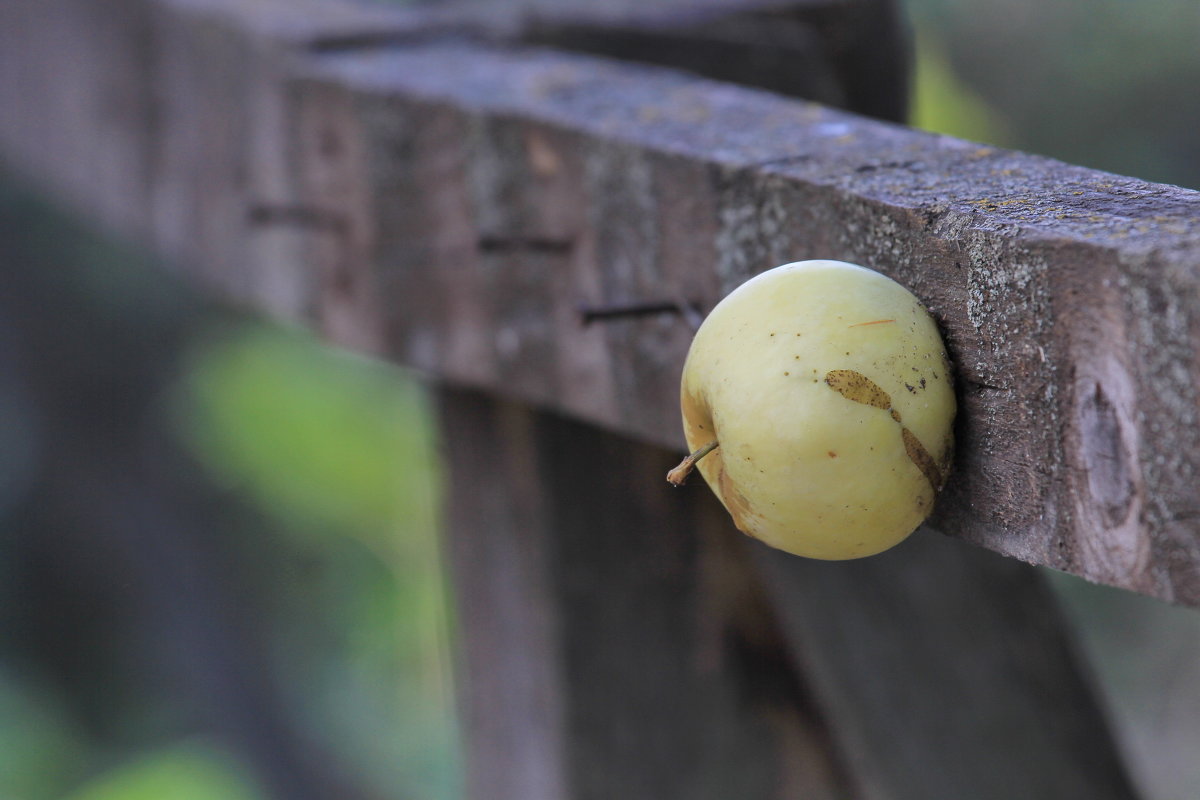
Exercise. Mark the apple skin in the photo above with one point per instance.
(829, 391)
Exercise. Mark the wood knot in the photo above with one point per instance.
(1105, 456)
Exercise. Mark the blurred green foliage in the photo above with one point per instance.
(1108, 84)
(186, 771)
(338, 449)
(943, 103)
(41, 745)
(322, 440)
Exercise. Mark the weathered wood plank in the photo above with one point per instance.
(163, 120)
(616, 642)
(519, 184)
(936, 647)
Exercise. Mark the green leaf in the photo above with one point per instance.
(192, 771)
(318, 438)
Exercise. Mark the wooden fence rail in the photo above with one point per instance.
(1068, 297)
(539, 180)
(431, 188)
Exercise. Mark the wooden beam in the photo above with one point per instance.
(165, 120)
(1066, 295)
(504, 188)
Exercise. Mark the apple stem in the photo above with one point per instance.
(677, 476)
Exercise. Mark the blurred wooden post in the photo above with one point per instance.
(616, 642)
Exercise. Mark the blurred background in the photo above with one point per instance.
(219, 569)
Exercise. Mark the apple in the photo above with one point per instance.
(819, 405)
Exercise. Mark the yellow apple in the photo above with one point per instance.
(818, 400)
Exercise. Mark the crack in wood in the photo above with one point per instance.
(297, 216)
(524, 244)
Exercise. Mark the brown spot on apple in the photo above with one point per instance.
(920, 456)
(857, 387)
(735, 502)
